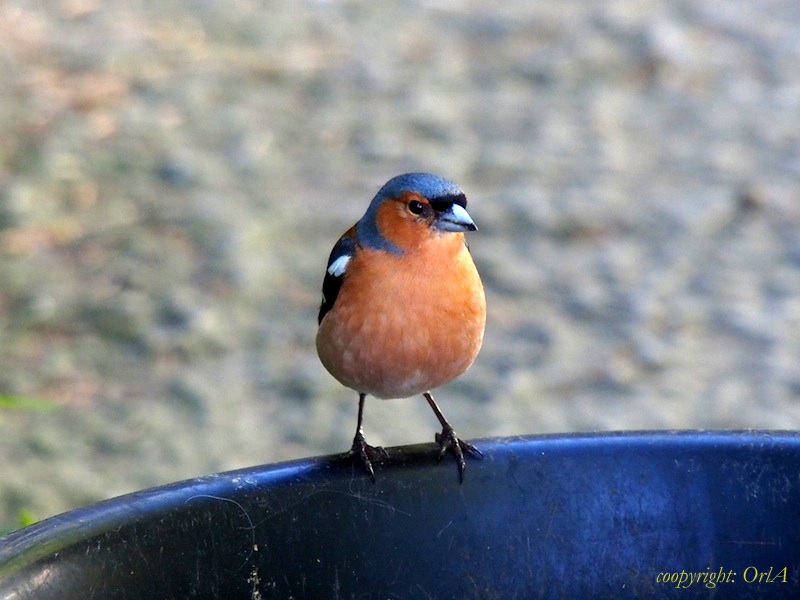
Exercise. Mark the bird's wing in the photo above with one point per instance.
(334, 274)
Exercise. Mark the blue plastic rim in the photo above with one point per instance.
(615, 515)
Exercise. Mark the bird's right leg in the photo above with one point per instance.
(360, 449)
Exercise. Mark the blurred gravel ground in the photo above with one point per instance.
(173, 175)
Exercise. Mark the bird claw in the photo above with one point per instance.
(448, 440)
(366, 453)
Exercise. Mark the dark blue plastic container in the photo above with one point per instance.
(633, 515)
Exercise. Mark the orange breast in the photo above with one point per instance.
(405, 324)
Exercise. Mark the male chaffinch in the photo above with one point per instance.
(403, 309)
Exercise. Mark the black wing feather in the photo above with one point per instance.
(333, 283)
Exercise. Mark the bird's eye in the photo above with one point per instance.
(416, 207)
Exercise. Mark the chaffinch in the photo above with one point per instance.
(403, 309)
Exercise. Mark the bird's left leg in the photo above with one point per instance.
(448, 440)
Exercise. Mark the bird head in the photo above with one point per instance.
(411, 209)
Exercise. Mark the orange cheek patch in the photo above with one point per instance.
(399, 227)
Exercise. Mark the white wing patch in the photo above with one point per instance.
(338, 267)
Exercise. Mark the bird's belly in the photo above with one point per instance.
(389, 356)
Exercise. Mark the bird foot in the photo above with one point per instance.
(362, 451)
(448, 440)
